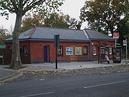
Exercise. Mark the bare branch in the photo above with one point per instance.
(14, 5)
(32, 5)
(24, 2)
(6, 7)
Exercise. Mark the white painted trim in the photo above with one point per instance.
(86, 34)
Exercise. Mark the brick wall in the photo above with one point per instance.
(37, 51)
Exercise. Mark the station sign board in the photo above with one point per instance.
(116, 35)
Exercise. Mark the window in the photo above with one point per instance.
(78, 50)
(24, 51)
(60, 51)
(94, 50)
(69, 50)
(85, 50)
(102, 50)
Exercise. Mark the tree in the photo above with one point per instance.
(4, 35)
(51, 20)
(31, 20)
(104, 15)
(124, 31)
(20, 8)
(56, 20)
(74, 23)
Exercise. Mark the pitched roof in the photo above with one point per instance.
(94, 35)
(46, 33)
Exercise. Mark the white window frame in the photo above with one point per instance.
(69, 51)
(78, 50)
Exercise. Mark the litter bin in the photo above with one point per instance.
(117, 55)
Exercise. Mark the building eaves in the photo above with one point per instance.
(94, 35)
(48, 33)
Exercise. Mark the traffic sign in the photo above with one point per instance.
(116, 35)
(124, 42)
(57, 41)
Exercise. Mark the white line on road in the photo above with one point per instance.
(106, 84)
(32, 95)
(42, 79)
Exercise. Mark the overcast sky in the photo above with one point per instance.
(70, 7)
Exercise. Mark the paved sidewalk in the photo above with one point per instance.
(67, 65)
(6, 73)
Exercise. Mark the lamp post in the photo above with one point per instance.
(57, 45)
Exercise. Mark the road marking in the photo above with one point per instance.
(106, 84)
(32, 95)
(42, 79)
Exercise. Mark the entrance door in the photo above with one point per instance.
(46, 53)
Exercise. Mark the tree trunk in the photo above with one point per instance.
(16, 60)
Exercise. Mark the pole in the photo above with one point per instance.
(126, 53)
(57, 44)
(115, 42)
(126, 47)
(56, 59)
(98, 55)
(126, 50)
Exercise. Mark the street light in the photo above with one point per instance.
(57, 45)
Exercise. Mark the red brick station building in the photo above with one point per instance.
(37, 45)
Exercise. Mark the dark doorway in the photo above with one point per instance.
(117, 55)
(103, 51)
(46, 53)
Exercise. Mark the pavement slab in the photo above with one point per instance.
(7, 74)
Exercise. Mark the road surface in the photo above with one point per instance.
(108, 85)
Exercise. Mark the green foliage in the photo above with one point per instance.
(23, 6)
(74, 24)
(20, 8)
(4, 35)
(52, 20)
(56, 20)
(124, 31)
(30, 21)
(104, 15)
